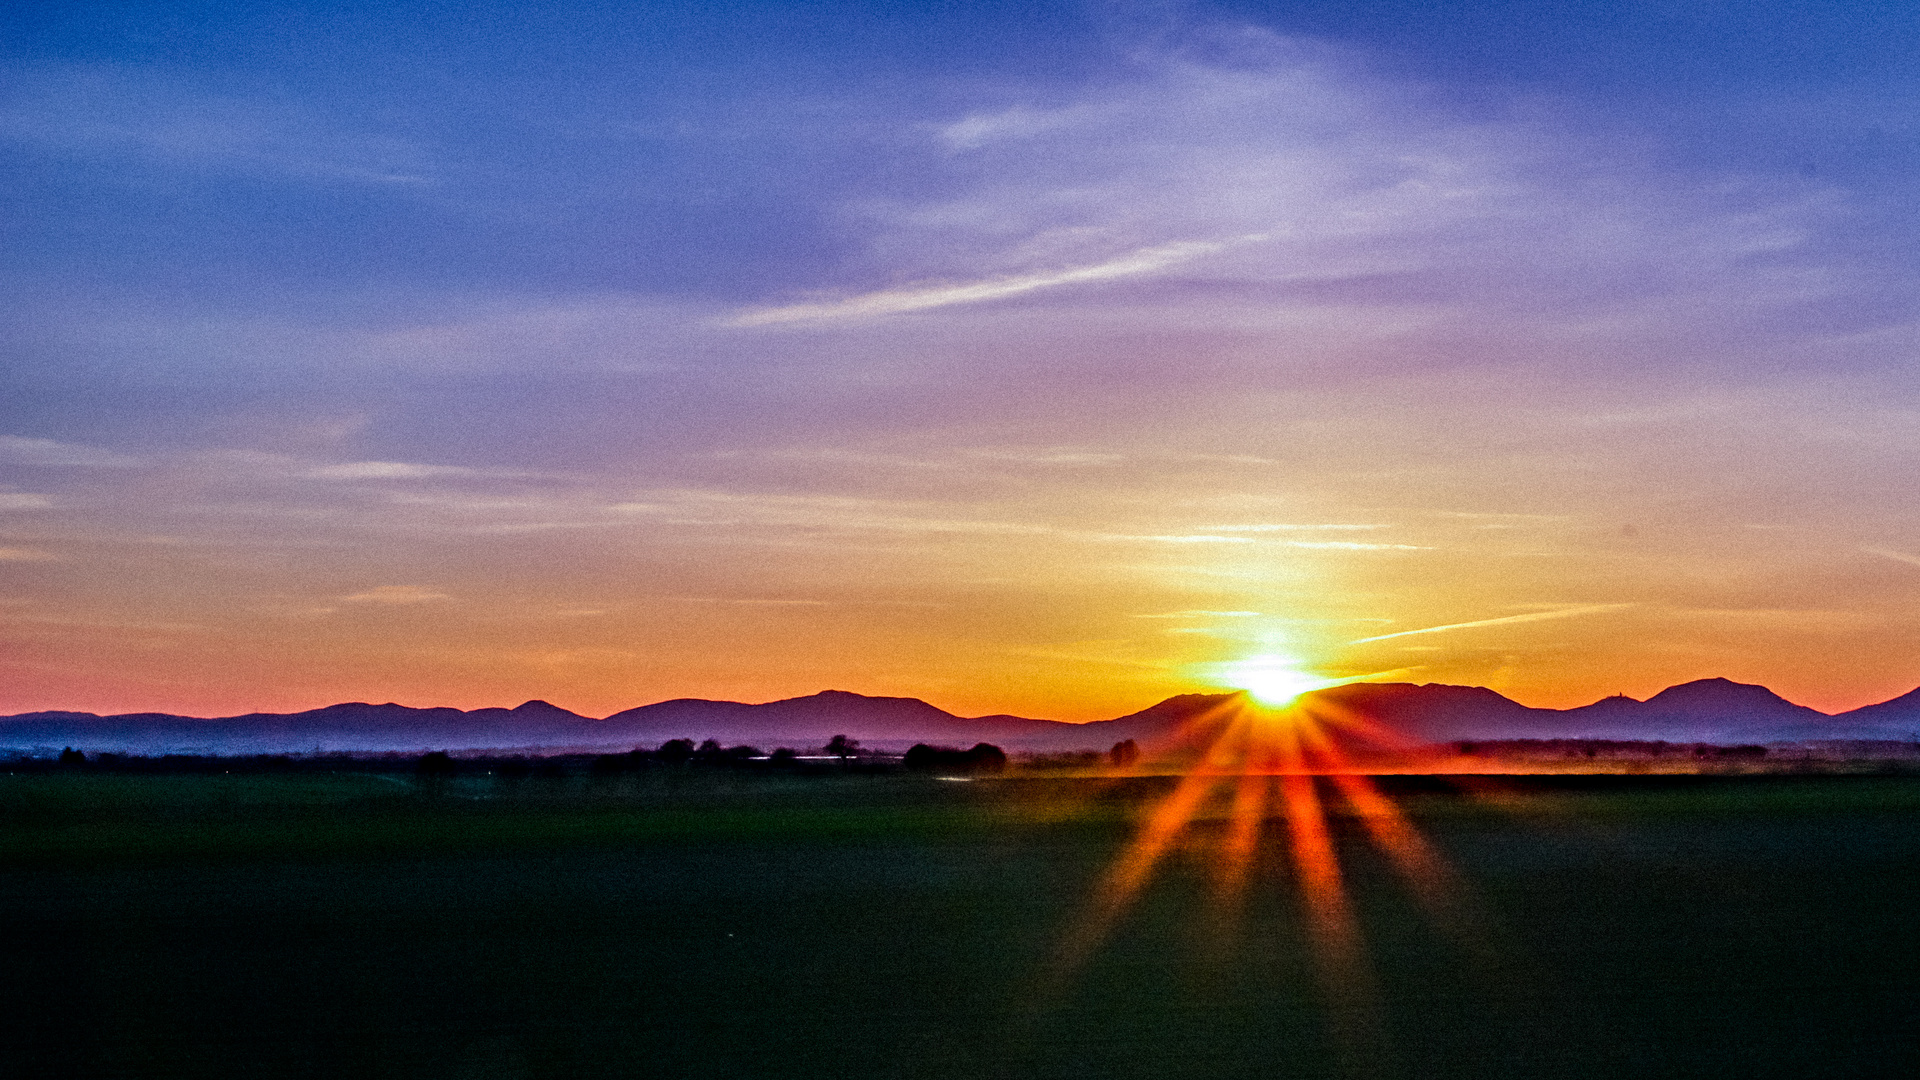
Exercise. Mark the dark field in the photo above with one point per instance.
(716, 926)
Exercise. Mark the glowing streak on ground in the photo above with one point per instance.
(1432, 879)
(1123, 882)
(1251, 750)
(1243, 832)
(1339, 955)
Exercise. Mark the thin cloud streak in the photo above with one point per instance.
(1535, 616)
(1911, 560)
(1346, 545)
(397, 594)
(48, 453)
(897, 301)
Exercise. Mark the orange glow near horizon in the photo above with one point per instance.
(1065, 608)
(597, 647)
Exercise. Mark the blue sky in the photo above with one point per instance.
(953, 331)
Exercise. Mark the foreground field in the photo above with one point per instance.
(713, 926)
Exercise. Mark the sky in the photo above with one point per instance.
(1040, 358)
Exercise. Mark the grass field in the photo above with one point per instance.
(708, 925)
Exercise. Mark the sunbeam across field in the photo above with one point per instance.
(1270, 772)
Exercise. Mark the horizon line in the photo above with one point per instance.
(1221, 691)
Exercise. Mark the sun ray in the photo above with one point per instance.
(1334, 939)
(1123, 881)
(1267, 758)
(1244, 820)
(1163, 827)
(1433, 882)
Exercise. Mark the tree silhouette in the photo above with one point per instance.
(1124, 754)
(984, 757)
(842, 747)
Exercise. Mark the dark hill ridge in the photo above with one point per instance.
(1711, 710)
(1714, 710)
(1898, 719)
(813, 719)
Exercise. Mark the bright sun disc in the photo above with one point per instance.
(1272, 680)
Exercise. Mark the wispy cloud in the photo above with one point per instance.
(750, 601)
(385, 470)
(1896, 556)
(397, 594)
(1018, 122)
(1201, 614)
(1051, 457)
(1294, 528)
(1349, 545)
(1533, 616)
(24, 500)
(919, 298)
(1184, 538)
(47, 452)
(139, 114)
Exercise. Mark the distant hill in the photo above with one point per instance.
(1898, 719)
(804, 722)
(812, 720)
(1707, 710)
(349, 726)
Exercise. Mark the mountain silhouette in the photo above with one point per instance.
(812, 720)
(1706, 710)
(1898, 719)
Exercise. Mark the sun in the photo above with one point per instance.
(1272, 678)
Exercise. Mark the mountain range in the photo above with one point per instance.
(1707, 710)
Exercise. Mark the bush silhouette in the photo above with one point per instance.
(984, 757)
